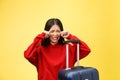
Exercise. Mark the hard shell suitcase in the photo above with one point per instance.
(77, 72)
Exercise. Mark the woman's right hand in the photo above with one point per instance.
(46, 34)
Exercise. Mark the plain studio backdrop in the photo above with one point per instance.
(97, 22)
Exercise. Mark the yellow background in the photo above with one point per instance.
(97, 22)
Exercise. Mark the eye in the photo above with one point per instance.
(51, 31)
(58, 31)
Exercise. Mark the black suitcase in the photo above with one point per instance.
(77, 72)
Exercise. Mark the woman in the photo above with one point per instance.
(47, 52)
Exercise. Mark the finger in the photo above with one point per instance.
(47, 32)
(61, 33)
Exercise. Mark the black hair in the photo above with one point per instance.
(48, 25)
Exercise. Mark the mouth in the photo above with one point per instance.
(55, 38)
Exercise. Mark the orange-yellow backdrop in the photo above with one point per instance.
(97, 22)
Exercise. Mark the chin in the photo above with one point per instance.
(54, 42)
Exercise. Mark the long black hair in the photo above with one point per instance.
(48, 25)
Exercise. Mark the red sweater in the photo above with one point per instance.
(51, 59)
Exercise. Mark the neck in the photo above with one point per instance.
(52, 43)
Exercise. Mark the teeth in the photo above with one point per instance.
(55, 38)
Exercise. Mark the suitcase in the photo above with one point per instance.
(77, 72)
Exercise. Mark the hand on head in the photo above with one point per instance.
(46, 34)
(64, 34)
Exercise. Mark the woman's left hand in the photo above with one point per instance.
(64, 34)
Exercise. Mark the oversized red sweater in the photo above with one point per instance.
(51, 59)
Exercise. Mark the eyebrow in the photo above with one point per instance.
(55, 30)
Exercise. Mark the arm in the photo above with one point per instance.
(31, 52)
(84, 49)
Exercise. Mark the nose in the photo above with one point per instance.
(55, 33)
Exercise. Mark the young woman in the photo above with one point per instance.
(48, 50)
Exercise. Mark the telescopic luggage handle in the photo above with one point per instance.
(74, 41)
(67, 51)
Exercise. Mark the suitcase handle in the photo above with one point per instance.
(75, 41)
(67, 51)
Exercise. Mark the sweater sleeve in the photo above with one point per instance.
(84, 49)
(31, 52)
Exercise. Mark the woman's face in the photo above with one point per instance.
(54, 34)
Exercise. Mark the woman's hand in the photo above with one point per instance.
(65, 34)
(47, 34)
